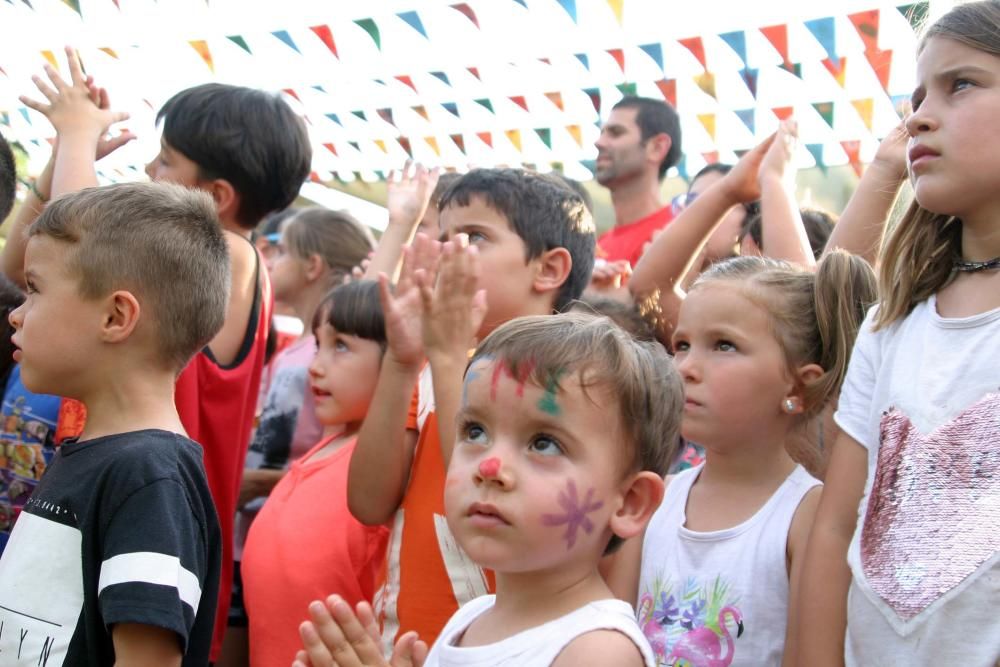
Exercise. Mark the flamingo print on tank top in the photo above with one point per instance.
(931, 521)
(691, 625)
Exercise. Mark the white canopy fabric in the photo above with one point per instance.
(482, 82)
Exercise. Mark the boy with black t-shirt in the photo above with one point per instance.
(116, 557)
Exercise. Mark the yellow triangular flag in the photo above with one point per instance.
(49, 56)
(618, 7)
(381, 144)
(109, 51)
(708, 121)
(201, 46)
(515, 138)
(576, 133)
(432, 142)
(706, 81)
(865, 109)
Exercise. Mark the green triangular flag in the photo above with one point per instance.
(626, 88)
(486, 103)
(240, 42)
(915, 13)
(368, 25)
(545, 134)
(825, 109)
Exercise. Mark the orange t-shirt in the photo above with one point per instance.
(628, 241)
(426, 576)
(303, 546)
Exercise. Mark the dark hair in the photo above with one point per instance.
(336, 236)
(628, 315)
(713, 168)
(818, 225)
(162, 242)
(8, 178)
(543, 211)
(354, 309)
(445, 181)
(656, 117)
(638, 380)
(577, 187)
(11, 297)
(248, 137)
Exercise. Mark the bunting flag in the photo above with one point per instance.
(626, 89)
(618, 9)
(793, 68)
(916, 13)
(519, 101)
(459, 141)
(748, 117)
(706, 81)
(619, 56)
(486, 138)
(570, 7)
(74, 5)
(405, 144)
(777, 35)
(708, 122)
(881, 62)
(523, 3)
(783, 113)
(291, 93)
(360, 114)
(584, 59)
(866, 23)
(382, 146)
(682, 168)
(25, 115)
(368, 25)
(474, 71)
(467, 11)
(825, 110)
(452, 108)
(816, 150)
(737, 41)
(422, 111)
(901, 103)
(326, 36)
(545, 135)
(711, 157)
(240, 42)
(749, 76)
(330, 147)
(853, 150)
(547, 61)
(837, 69)
(825, 32)
(201, 46)
(595, 98)
(406, 81)
(668, 88)
(576, 133)
(485, 102)
(354, 145)
(51, 58)
(514, 137)
(386, 115)
(335, 118)
(697, 49)
(654, 51)
(111, 52)
(556, 99)
(412, 19)
(442, 77)
(286, 38)
(865, 109)
(433, 143)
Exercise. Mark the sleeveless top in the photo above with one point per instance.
(538, 646)
(718, 597)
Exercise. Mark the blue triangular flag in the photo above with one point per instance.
(654, 51)
(737, 41)
(583, 58)
(442, 76)
(451, 106)
(748, 118)
(816, 150)
(570, 7)
(286, 38)
(522, 3)
(825, 32)
(24, 112)
(333, 117)
(413, 20)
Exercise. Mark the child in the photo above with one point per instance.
(912, 495)
(304, 543)
(251, 153)
(115, 558)
(535, 241)
(560, 449)
(761, 347)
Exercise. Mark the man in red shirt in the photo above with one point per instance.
(639, 142)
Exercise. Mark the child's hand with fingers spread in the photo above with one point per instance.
(403, 307)
(777, 162)
(454, 308)
(409, 195)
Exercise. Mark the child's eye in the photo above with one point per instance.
(476, 237)
(29, 287)
(339, 345)
(960, 84)
(473, 432)
(725, 346)
(546, 445)
(681, 346)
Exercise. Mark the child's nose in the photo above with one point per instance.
(16, 317)
(493, 470)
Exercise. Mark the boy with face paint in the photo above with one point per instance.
(559, 455)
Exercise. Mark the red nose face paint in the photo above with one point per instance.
(489, 467)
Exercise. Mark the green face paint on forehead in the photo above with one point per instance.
(547, 403)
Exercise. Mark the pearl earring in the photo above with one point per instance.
(789, 405)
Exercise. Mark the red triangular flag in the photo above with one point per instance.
(326, 36)
(696, 47)
(881, 62)
(459, 141)
(783, 113)
(519, 101)
(668, 88)
(331, 148)
(866, 23)
(486, 138)
(619, 56)
(406, 80)
(467, 10)
(778, 36)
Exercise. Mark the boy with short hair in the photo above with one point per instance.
(563, 437)
(116, 556)
(533, 240)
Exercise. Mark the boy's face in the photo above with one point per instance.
(53, 354)
(536, 474)
(171, 166)
(506, 276)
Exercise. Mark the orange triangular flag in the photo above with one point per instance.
(837, 69)
(556, 99)
(853, 150)
(576, 133)
(201, 46)
(514, 136)
(432, 142)
(619, 56)
(881, 62)
(109, 51)
(420, 109)
(865, 109)
(706, 81)
(783, 113)
(708, 122)
(486, 138)
(668, 88)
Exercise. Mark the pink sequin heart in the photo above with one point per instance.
(934, 506)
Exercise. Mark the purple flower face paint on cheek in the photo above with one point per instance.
(576, 513)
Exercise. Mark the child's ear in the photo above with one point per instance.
(314, 267)
(227, 200)
(121, 315)
(553, 267)
(642, 496)
(794, 402)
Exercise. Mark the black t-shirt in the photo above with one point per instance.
(120, 529)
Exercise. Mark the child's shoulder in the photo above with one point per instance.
(131, 460)
(601, 647)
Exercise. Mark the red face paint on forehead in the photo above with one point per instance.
(489, 467)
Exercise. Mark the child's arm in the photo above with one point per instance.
(798, 535)
(860, 228)
(139, 645)
(407, 201)
(676, 248)
(380, 466)
(599, 649)
(453, 311)
(783, 235)
(822, 595)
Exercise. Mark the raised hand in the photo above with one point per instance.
(455, 306)
(610, 275)
(891, 153)
(777, 162)
(409, 193)
(403, 307)
(742, 184)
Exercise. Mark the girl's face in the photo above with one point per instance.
(954, 149)
(734, 370)
(343, 376)
(289, 272)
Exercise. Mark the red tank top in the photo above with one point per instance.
(217, 405)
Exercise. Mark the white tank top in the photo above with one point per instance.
(720, 597)
(535, 647)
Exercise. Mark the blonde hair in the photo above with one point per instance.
(918, 255)
(815, 317)
(340, 241)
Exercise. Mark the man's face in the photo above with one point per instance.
(621, 153)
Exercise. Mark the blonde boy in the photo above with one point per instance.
(115, 559)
